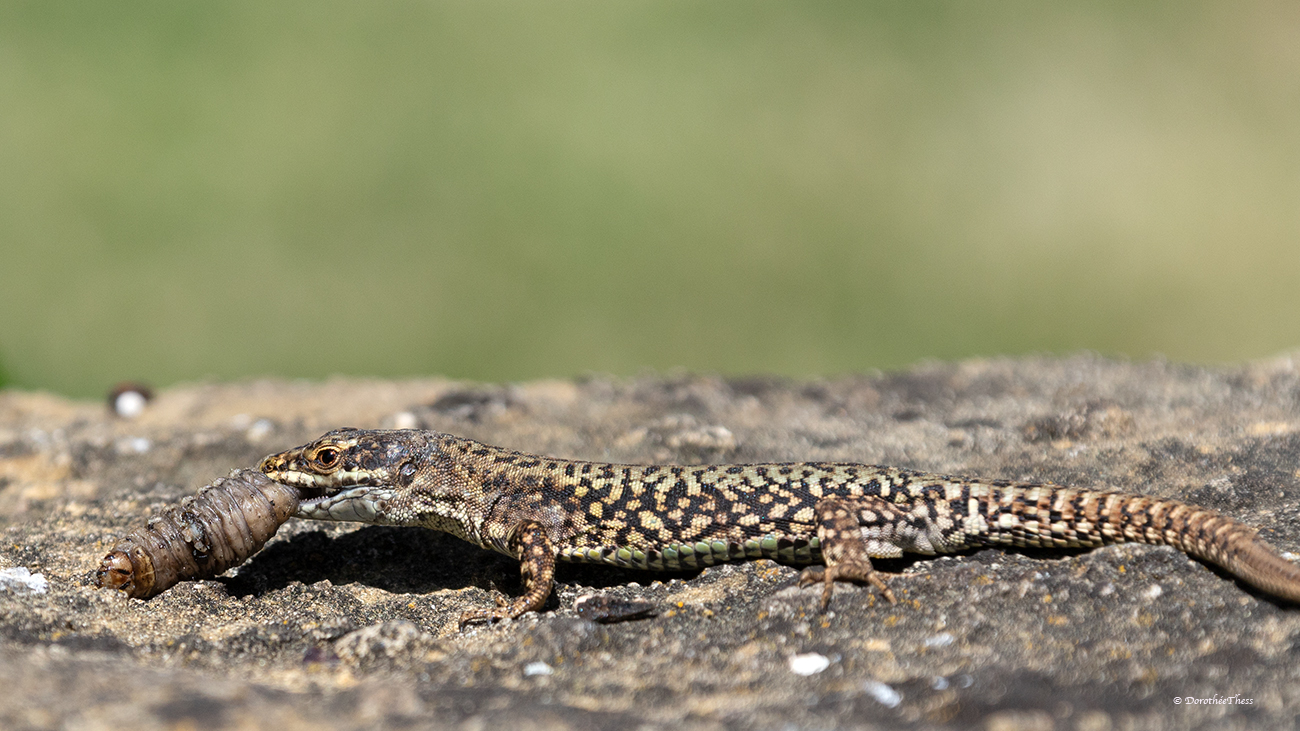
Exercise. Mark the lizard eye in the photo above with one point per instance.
(327, 458)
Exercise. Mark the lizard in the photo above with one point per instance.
(540, 509)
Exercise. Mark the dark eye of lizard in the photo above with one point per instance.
(327, 458)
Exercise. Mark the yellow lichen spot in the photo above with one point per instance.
(983, 580)
(1122, 569)
(1047, 599)
(891, 620)
(1057, 620)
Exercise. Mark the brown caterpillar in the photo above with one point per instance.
(218, 529)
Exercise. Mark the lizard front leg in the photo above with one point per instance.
(851, 531)
(532, 546)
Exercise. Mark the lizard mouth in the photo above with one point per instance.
(344, 495)
(364, 503)
(311, 482)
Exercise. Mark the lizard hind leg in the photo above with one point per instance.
(843, 525)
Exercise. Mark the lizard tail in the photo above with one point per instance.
(1202, 533)
(1046, 515)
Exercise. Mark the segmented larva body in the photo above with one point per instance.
(205, 535)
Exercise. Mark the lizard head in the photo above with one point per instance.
(342, 458)
(349, 474)
(394, 477)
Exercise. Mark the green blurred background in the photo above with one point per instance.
(516, 190)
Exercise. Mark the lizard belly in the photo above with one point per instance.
(686, 556)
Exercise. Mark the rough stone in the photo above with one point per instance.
(349, 627)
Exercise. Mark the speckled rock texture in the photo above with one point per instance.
(354, 627)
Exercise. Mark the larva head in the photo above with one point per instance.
(129, 569)
(347, 458)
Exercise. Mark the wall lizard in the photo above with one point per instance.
(671, 517)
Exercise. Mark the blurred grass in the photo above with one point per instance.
(506, 190)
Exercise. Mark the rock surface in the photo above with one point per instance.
(350, 627)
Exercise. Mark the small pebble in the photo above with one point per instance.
(808, 663)
(884, 695)
(943, 639)
(128, 400)
(538, 668)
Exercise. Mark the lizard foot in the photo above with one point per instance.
(487, 616)
(844, 571)
(506, 609)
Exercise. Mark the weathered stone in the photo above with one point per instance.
(342, 626)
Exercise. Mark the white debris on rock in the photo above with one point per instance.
(943, 639)
(133, 445)
(884, 695)
(808, 663)
(538, 668)
(20, 580)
